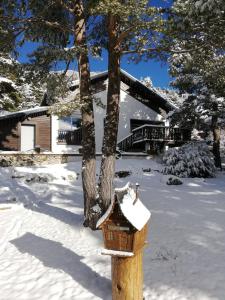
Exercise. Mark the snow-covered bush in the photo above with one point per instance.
(190, 160)
(173, 180)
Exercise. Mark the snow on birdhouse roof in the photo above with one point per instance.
(106, 214)
(133, 209)
(135, 212)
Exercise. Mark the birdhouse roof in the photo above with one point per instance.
(134, 211)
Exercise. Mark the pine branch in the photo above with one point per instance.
(34, 20)
(66, 7)
(161, 49)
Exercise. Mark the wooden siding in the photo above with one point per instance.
(42, 130)
(10, 131)
(140, 238)
(118, 232)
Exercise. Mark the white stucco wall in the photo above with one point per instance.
(130, 108)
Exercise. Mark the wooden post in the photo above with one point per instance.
(127, 277)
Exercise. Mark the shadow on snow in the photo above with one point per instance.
(54, 255)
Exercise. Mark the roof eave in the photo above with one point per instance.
(21, 114)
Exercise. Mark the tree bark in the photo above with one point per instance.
(216, 137)
(127, 277)
(88, 126)
(106, 191)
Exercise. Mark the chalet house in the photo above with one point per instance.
(142, 122)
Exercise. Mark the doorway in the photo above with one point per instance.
(27, 137)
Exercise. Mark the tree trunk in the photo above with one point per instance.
(88, 126)
(127, 277)
(107, 171)
(216, 138)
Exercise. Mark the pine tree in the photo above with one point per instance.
(204, 95)
(17, 90)
(59, 28)
(198, 64)
(131, 28)
(200, 23)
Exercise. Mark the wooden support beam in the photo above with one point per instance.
(127, 277)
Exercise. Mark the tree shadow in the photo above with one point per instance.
(54, 255)
(32, 202)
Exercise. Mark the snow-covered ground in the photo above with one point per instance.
(46, 253)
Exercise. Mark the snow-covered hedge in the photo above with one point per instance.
(190, 160)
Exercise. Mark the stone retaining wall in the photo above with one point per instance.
(19, 159)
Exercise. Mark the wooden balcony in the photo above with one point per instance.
(70, 137)
(154, 133)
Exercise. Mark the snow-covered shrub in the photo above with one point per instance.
(147, 170)
(38, 178)
(173, 180)
(190, 160)
(122, 174)
(5, 163)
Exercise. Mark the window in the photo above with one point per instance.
(69, 123)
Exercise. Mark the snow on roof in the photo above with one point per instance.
(165, 101)
(133, 209)
(25, 112)
(4, 113)
(136, 213)
(106, 214)
(94, 75)
(154, 90)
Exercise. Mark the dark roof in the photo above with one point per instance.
(138, 90)
(147, 96)
(25, 113)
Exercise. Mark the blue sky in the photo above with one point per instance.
(158, 71)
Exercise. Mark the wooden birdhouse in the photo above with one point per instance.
(124, 225)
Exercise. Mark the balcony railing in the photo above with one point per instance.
(159, 133)
(154, 133)
(149, 132)
(70, 137)
(126, 143)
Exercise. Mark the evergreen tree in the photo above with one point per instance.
(17, 89)
(131, 28)
(60, 29)
(198, 65)
(23, 86)
(171, 95)
(200, 23)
